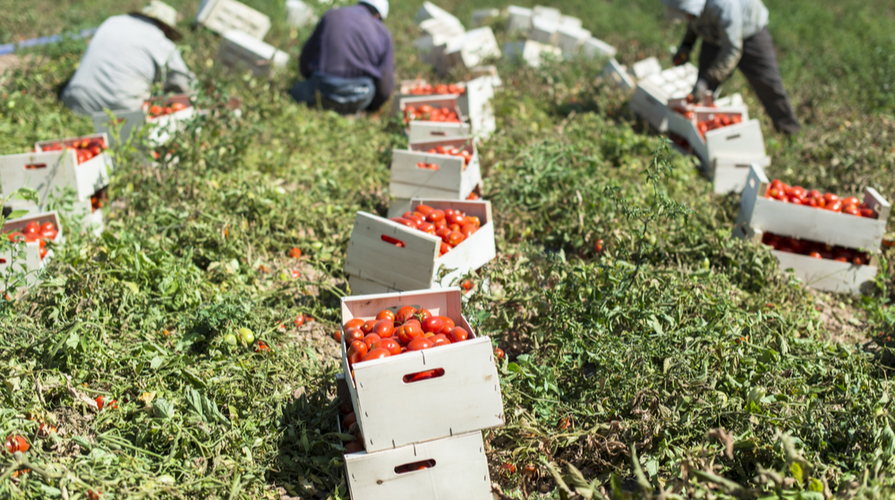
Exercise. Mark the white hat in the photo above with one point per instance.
(164, 14)
(381, 6)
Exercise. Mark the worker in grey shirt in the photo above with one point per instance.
(125, 57)
(734, 35)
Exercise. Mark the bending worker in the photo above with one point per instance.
(349, 61)
(125, 57)
(734, 35)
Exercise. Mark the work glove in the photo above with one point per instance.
(700, 91)
(682, 56)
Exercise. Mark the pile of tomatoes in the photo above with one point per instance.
(428, 113)
(157, 110)
(815, 249)
(350, 426)
(720, 120)
(452, 151)
(813, 198)
(98, 199)
(452, 226)
(393, 333)
(86, 149)
(35, 231)
(440, 89)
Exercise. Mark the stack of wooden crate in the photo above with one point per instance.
(550, 32)
(55, 174)
(435, 450)
(759, 214)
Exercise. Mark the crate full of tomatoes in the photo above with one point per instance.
(441, 169)
(473, 100)
(716, 130)
(31, 240)
(432, 117)
(828, 241)
(414, 354)
(81, 164)
(431, 245)
(168, 115)
(778, 208)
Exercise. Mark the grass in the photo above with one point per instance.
(677, 359)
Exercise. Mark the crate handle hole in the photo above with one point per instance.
(439, 133)
(424, 375)
(415, 466)
(734, 136)
(2, 261)
(35, 166)
(394, 241)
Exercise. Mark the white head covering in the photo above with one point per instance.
(381, 6)
(164, 14)
(692, 7)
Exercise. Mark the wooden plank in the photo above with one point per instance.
(875, 201)
(428, 131)
(827, 275)
(361, 286)
(409, 181)
(729, 175)
(743, 139)
(371, 258)
(460, 471)
(650, 103)
(471, 177)
(756, 183)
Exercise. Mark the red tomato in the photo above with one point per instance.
(833, 206)
(830, 197)
(371, 339)
(440, 339)
(389, 344)
(384, 328)
(427, 227)
(353, 333)
(386, 314)
(295, 253)
(356, 323)
(411, 332)
(422, 315)
(498, 353)
(444, 248)
(368, 326)
(455, 238)
(815, 255)
(377, 353)
(420, 343)
(424, 209)
(448, 325)
(433, 324)
(851, 200)
(300, 320)
(31, 228)
(456, 218)
(404, 314)
(435, 216)
(350, 420)
(337, 335)
(458, 334)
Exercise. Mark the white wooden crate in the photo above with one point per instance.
(487, 71)
(650, 103)
(470, 50)
(518, 19)
(222, 16)
(25, 259)
(240, 50)
(684, 127)
(618, 74)
(543, 30)
(54, 171)
(594, 47)
(431, 11)
(299, 14)
(451, 181)
(465, 399)
(743, 140)
(758, 213)
(729, 175)
(569, 21)
(570, 38)
(530, 52)
(166, 126)
(460, 471)
(476, 106)
(419, 130)
(645, 68)
(418, 265)
(551, 14)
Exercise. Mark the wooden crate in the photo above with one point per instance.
(618, 74)
(465, 399)
(530, 52)
(451, 181)
(419, 130)
(571, 38)
(26, 258)
(543, 30)
(825, 274)
(418, 266)
(54, 171)
(241, 51)
(474, 102)
(729, 175)
(460, 471)
(760, 214)
(222, 16)
(168, 125)
(518, 19)
(550, 14)
(594, 47)
(470, 50)
(650, 103)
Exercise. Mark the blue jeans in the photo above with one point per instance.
(343, 95)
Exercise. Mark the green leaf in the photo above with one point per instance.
(15, 214)
(796, 470)
(162, 408)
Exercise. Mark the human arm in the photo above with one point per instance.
(728, 25)
(683, 52)
(178, 78)
(386, 83)
(310, 53)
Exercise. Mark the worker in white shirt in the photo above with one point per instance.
(126, 56)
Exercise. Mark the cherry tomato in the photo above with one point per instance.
(498, 353)
(295, 253)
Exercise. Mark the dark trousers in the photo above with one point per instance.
(343, 95)
(759, 66)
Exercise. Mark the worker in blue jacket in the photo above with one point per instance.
(734, 35)
(349, 61)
